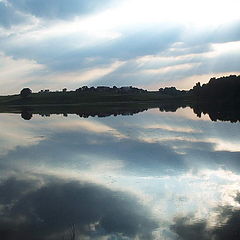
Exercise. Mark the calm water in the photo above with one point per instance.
(153, 175)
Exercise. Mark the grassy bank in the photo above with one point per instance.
(55, 98)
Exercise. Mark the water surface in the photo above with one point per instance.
(152, 175)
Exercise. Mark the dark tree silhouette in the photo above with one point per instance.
(25, 92)
(26, 115)
(172, 91)
(223, 88)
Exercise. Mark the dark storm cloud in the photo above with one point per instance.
(9, 16)
(51, 209)
(61, 9)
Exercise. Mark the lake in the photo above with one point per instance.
(151, 175)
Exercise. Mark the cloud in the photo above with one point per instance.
(9, 16)
(91, 146)
(16, 73)
(73, 51)
(73, 47)
(13, 188)
(181, 69)
(137, 157)
(143, 151)
(226, 226)
(53, 207)
(59, 9)
(16, 134)
(61, 36)
(166, 148)
(188, 231)
(226, 32)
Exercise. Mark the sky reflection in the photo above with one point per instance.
(147, 176)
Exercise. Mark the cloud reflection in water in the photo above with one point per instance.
(127, 176)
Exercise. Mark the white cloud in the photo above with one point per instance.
(148, 44)
(177, 67)
(223, 48)
(87, 75)
(17, 133)
(16, 73)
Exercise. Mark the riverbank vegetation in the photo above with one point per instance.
(217, 89)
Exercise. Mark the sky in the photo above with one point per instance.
(53, 44)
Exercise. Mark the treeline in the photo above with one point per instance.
(172, 91)
(102, 89)
(223, 88)
(217, 88)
